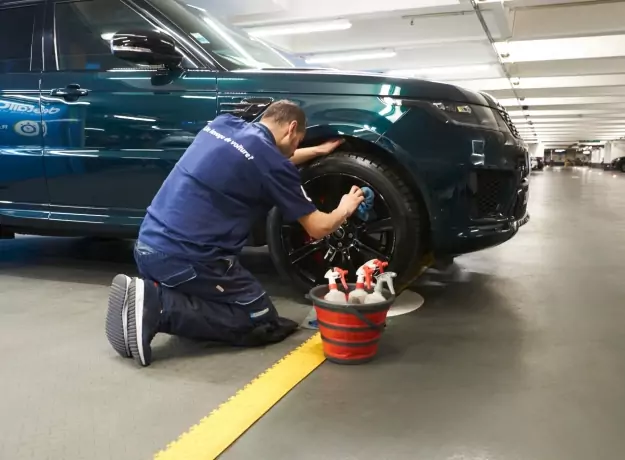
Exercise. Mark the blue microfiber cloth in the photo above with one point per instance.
(365, 211)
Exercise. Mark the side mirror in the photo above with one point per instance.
(146, 47)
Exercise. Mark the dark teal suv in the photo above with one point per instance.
(99, 98)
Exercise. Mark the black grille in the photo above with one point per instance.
(508, 120)
(489, 192)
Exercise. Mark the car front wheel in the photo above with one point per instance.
(392, 233)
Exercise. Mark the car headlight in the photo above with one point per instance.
(457, 113)
(467, 114)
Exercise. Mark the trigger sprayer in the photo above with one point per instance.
(374, 265)
(383, 278)
(364, 274)
(334, 295)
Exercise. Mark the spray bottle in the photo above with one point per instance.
(334, 295)
(376, 296)
(364, 274)
(378, 267)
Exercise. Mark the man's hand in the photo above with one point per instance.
(306, 154)
(328, 147)
(350, 202)
(319, 224)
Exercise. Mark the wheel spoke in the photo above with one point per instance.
(301, 253)
(349, 262)
(379, 226)
(365, 248)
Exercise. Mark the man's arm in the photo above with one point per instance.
(306, 154)
(320, 224)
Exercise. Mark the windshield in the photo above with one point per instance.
(233, 49)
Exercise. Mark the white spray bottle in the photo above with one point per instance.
(384, 278)
(334, 295)
(378, 267)
(364, 274)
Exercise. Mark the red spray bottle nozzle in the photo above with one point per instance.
(381, 265)
(368, 275)
(343, 274)
(377, 264)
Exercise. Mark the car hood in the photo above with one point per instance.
(331, 81)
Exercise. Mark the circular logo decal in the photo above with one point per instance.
(27, 128)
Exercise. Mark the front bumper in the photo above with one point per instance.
(497, 228)
(485, 236)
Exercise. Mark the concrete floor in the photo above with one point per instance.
(515, 356)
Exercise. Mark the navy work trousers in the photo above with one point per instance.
(220, 301)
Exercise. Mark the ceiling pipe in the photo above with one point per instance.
(489, 35)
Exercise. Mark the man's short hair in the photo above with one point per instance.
(284, 112)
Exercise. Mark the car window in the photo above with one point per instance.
(234, 49)
(16, 33)
(83, 31)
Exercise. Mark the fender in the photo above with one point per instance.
(381, 146)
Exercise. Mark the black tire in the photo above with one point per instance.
(623, 166)
(403, 208)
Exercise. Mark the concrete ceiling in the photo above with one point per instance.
(557, 65)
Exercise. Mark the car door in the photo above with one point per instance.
(114, 130)
(23, 192)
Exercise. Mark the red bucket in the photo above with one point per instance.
(350, 333)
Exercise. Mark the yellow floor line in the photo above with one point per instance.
(217, 431)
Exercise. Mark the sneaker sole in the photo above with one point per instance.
(116, 316)
(135, 321)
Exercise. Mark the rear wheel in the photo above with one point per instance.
(393, 233)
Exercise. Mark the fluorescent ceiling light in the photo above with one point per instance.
(577, 131)
(593, 124)
(562, 48)
(299, 28)
(578, 128)
(108, 37)
(585, 119)
(548, 113)
(533, 101)
(350, 57)
(574, 81)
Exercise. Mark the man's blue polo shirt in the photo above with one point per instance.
(231, 174)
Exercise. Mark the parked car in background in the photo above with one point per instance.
(537, 164)
(99, 99)
(618, 164)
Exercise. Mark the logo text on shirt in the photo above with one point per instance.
(230, 141)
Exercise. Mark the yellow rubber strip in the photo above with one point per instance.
(217, 431)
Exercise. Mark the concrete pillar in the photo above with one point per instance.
(537, 150)
(596, 156)
(608, 153)
(618, 149)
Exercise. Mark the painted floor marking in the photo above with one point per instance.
(223, 426)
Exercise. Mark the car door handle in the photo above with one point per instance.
(72, 91)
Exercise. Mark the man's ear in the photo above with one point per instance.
(293, 126)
